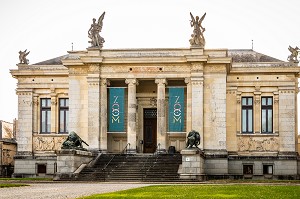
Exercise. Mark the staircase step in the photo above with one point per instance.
(139, 167)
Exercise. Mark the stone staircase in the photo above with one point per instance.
(134, 168)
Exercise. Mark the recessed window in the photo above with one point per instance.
(63, 115)
(247, 115)
(248, 169)
(41, 168)
(268, 169)
(46, 115)
(266, 114)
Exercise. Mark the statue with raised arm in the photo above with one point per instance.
(197, 38)
(94, 32)
(22, 57)
(293, 57)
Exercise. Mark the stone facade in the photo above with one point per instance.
(216, 82)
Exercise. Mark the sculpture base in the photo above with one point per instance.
(192, 167)
(70, 162)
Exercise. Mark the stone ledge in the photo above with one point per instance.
(74, 152)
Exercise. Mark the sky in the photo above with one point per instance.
(48, 28)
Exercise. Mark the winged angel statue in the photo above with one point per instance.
(94, 32)
(197, 36)
(294, 54)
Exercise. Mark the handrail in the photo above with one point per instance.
(157, 147)
(125, 148)
(144, 169)
(122, 152)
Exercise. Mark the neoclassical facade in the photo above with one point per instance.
(242, 103)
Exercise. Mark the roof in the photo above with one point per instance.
(238, 55)
(249, 55)
(53, 61)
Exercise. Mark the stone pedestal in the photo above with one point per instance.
(192, 167)
(70, 162)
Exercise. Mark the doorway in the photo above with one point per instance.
(150, 130)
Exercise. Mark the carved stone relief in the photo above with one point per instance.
(42, 143)
(258, 144)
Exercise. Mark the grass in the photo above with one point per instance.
(12, 185)
(26, 179)
(206, 191)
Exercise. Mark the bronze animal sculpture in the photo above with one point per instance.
(73, 141)
(193, 139)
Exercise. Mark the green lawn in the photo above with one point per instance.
(2, 185)
(207, 191)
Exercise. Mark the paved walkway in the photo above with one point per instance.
(63, 190)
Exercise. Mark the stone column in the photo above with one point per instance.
(25, 118)
(161, 115)
(93, 112)
(131, 115)
(54, 127)
(103, 115)
(35, 113)
(188, 105)
(197, 106)
(257, 111)
(276, 115)
(238, 112)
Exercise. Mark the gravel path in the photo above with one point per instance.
(62, 190)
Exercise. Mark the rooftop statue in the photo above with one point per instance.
(193, 139)
(94, 32)
(294, 54)
(197, 36)
(73, 141)
(22, 57)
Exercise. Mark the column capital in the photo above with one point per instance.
(161, 81)
(104, 82)
(187, 80)
(132, 81)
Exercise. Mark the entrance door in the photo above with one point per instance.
(150, 123)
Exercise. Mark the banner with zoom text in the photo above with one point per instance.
(176, 109)
(116, 110)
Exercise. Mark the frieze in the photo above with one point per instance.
(48, 143)
(230, 92)
(94, 68)
(197, 67)
(215, 69)
(74, 71)
(287, 91)
(258, 144)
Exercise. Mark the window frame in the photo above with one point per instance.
(65, 110)
(247, 107)
(267, 107)
(47, 119)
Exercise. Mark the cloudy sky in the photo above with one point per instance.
(48, 28)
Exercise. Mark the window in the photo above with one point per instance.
(45, 115)
(63, 115)
(266, 114)
(268, 169)
(41, 168)
(248, 169)
(247, 115)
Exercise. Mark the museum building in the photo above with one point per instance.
(242, 103)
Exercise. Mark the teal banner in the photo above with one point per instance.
(176, 109)
(116, 110)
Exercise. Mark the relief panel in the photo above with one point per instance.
(258, 144)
